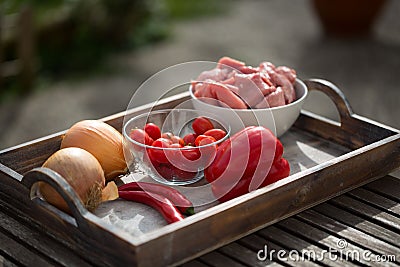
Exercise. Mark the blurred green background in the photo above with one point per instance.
(72, 38)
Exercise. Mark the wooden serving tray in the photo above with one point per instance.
(327, 159)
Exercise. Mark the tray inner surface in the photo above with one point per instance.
(302, 150)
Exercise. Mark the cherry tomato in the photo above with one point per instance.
(165, 171)
(157, 154)
(216, 133)
(189, 139)
(175, 145)
(202, 140)
(177, 140)
(141, 136)
(183, 175)
(152, 130)
(191, 154)
(167, 135)
(172, 154)
(171, 172)
(208, 152)
(201, 125)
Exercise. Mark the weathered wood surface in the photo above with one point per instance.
(31, 248)
(320, 229)
(375, 151)
(300, 233)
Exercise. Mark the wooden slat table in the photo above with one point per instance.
(356, 228)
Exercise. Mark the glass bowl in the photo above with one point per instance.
(172, 165)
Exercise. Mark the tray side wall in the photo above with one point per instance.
(353, 132)
(232, 220)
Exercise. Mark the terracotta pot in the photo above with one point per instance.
(348, 17)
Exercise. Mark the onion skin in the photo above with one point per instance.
(102, 141)
(110, 192)
(82, 171)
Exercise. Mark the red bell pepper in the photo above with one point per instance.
(250, 159)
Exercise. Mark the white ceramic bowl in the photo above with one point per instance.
(277, 119)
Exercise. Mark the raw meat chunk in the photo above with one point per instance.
(287, 87)
(274, 99)
(252, 88)
(236, 85)
(232, 63)
(248, 70)
(214, 74)
(289, 73)
(267, 67)
(225, 95)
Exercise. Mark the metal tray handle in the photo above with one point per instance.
(335, 94)
(356, 130)
(78, 211)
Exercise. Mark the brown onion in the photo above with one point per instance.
(102, 141)
(82, 171)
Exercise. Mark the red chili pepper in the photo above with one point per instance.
(244, 162)
(158, 202)
(176, 197)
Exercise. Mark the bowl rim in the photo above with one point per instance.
(126, 135)
(294, 103)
